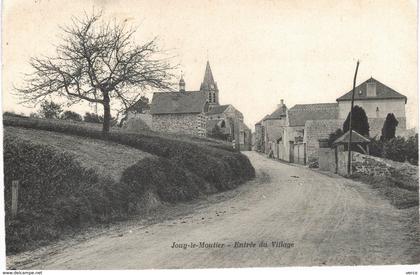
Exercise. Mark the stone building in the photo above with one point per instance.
(378, 100)
(226, 117)
(198, 112)
(293, 134)
(275, 134)
(179, 112)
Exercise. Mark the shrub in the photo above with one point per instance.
(389, 128)
(333, 136)
(397, 149)
(93, 118)
(69, 115)
(7, 113)
(50, 109)
(412, 149)
(394, 149)
(359, 121)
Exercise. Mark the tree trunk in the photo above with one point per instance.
(107, 115)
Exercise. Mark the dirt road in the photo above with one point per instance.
(305, 218)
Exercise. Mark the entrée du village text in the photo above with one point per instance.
(236, 244)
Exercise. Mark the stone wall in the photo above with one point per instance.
(315, 130)
(405, 174)
(190, 124)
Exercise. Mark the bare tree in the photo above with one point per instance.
(97, 62)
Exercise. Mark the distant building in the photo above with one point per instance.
(293, 134)
(198, 112)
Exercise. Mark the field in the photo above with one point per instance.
(72, 177)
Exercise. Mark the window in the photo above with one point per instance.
(371, 89)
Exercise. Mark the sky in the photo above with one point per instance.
(260, 51)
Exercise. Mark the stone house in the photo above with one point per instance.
(275, 134)
(228, 119)
(179, 112)
(293, 136)
(378, 100)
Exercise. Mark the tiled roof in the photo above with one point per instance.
(266, 117)
(300, 113)
(278, 113)
(214, 110)
(382, 92)
(355, 138)
(178, 103)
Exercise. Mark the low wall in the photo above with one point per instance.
(404, 174)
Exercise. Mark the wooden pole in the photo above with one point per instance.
(15, 195)
(350, 126)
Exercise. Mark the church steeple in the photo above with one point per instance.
(210, 86)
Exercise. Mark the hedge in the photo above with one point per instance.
(215, 163)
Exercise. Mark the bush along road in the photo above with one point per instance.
(287, 216)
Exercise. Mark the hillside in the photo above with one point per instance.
(71, 176)
(105, 157)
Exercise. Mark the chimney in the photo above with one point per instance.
(281, 103)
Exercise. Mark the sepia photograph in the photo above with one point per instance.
(209, 134)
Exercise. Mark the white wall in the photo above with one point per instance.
(396, 106)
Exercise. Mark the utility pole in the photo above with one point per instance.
(350, 126)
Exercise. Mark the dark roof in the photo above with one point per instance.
(214, 110)
(278, 113)
(355, 138)
(300, 113)
(382, 92)
(208, 83)
(140, 106)
(178, 103)
(266, 117)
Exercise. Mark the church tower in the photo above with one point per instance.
(209, 86)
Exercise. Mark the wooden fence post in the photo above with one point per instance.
(15, 195)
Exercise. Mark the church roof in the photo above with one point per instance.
(382, 92)
(178, 103)
(208, 81)
(214, 110)
(300, 113)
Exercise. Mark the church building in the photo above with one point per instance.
(198, 112)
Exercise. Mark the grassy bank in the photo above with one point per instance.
(71, 176)
(401, 195)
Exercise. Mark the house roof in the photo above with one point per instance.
(214, 110)
(300, 113)
(278, 113)
(382, 92)
(140, 106)
(265, 117)
(355, 138)
(178, 103)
